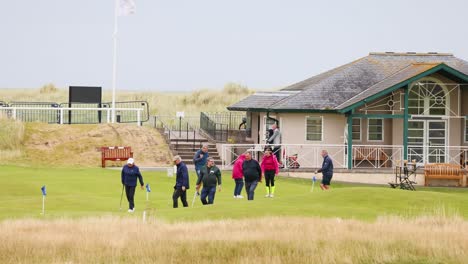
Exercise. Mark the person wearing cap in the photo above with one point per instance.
(130, 173)
(210, 176)
(182, 183)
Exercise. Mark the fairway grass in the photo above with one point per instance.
(351, 223)
(75, 192)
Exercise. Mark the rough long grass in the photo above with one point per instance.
(265, 240)
(11, 137)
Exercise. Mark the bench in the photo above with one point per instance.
(371, 154)
(442, 171)
(115, 154)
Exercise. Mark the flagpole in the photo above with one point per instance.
(43, 204)
(114, 60)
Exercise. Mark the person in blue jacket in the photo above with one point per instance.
(182, 183)
(326, 170)
(130, 173)
(200, 158)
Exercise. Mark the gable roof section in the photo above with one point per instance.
(400, 79)
(351, 83)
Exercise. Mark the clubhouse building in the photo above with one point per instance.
(374, 112)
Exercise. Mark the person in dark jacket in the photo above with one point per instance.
(210, 176)
(129, 175)
(252, 175)
(200, 158)
(326, 170)
(182, 183)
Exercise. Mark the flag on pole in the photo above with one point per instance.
(313, 183)
(148, 189)
(43, 189)
(126, 7)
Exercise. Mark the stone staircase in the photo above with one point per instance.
(186, 150)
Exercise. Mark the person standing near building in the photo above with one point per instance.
(238, 176)
(182, 183)
(326, 170)
(200, 158)
(270, 169)
(275, 140)
(210, 176)
(130, 174)
(252, 174)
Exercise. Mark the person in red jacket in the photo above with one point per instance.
(238, 176)
(270, 169)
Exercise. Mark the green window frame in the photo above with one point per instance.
(356, 129)
(314, 128)
(375, 129)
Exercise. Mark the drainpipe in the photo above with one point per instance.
(350, 140)
(405, 124)
(276, 120)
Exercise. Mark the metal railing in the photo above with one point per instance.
(216, 131)
(176, 135)
(364, 156)
(35, 112)
(231, 119)
(59, 115)
(309, 155)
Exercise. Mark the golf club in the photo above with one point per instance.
(194, 196)
(121, 196)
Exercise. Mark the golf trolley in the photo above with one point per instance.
(402, 176)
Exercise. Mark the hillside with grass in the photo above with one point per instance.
(39, 144)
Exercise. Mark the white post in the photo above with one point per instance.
(114, 60)
(43, 204)
(108, 115)
(61, 116)
(14, 113)
(144, 216)
(139, 117)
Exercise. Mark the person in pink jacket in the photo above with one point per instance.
(238, 176)
(270, 169)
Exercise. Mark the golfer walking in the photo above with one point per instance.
(326, 170)
(252, 175)
(200, 158)
(210, 176)
(130, 173)
(182, 183)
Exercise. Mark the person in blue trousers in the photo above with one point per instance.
(200, 158)
(210, 176)
(252, 175)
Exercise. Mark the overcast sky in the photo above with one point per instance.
(194, 44)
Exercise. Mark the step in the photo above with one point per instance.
(190, 156)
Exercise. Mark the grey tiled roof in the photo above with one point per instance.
(262, 100)
(350, 83)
